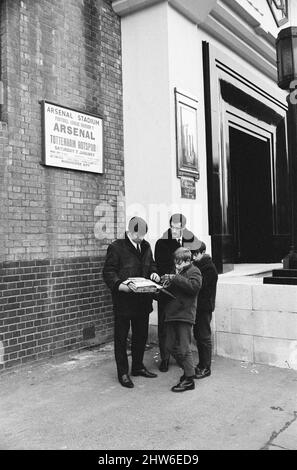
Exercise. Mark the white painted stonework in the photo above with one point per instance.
(255, 322)
(161, 50)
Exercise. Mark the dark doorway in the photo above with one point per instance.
(251, 197)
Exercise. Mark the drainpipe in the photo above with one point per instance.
(290, 261)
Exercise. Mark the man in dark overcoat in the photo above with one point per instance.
(176, 236)
(126, 258)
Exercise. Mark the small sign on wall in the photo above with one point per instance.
(188, 187)
(72, 139)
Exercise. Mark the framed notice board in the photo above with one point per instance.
(71, 139)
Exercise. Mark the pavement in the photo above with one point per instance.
(74, 402)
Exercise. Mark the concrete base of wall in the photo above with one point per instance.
(256, 322)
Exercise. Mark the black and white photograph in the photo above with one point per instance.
(148, 232)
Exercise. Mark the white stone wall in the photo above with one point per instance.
(257, 323)
(161, 50)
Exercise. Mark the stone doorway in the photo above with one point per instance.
(251, 197)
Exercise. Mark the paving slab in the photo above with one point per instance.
(75, 402)
(288, 436)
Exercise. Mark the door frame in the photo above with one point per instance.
(242, 121)
(236, 211)
(222, 80)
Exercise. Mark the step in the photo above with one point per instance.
(284, 272)
(280, 280)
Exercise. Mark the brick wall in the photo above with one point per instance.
(51, 306)
(68, 53)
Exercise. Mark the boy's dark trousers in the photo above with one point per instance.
(202, 335)
(178, 343)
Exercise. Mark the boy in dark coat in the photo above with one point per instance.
(205, 307)
(180, 313)
(130, 257)
(176, 236)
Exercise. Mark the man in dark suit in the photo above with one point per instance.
(176, 236)
(130, 257)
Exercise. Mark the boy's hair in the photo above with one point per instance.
(201, 249)
(182, 254)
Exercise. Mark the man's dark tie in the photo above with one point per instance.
(138, 248)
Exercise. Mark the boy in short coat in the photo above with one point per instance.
(180, 313)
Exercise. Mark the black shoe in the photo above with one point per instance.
(164, 365)
(201, 373)
(125, 381)
(186, 384)
(144, 373)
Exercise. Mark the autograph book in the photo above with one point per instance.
(143, 285)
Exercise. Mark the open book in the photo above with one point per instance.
(140, 284)
(143, 285)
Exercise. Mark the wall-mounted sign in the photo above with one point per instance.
(188, 187)
(72, 139)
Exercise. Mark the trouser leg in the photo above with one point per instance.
(138, 341)
(202, 335)
(178, 340)
(121, 330)
(164, 354)
(184, 348)
(171, 339)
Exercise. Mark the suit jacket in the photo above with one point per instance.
(185, 287)
(123, 261)
(165, 247)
